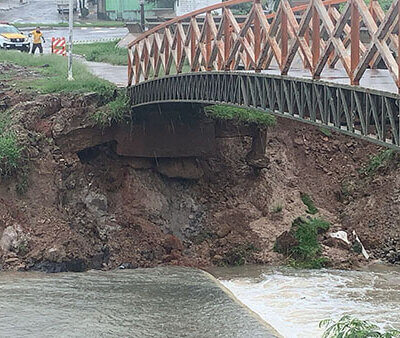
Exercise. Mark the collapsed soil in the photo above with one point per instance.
(94, 209)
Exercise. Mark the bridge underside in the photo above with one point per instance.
(357, 111)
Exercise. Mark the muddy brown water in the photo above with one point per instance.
(183, 302)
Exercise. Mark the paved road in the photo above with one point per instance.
(43, 11)
(82, 34)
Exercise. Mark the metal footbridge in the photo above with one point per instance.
(332, 63)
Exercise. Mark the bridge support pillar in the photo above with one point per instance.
(257, 156)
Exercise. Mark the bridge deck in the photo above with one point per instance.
(377, 79)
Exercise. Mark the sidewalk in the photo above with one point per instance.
(115, 74)
(6, 5)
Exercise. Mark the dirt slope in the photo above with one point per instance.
(95, 209)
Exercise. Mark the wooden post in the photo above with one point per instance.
(355, 40)
(227, 41)
(208, 43)
(178, 51)
(192, 44)
(316, 38)
(257, 37)
(284, 37)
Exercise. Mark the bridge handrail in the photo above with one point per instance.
(322, 37)
(217, 6)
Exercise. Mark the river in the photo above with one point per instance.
(183, 302)
(295, 301)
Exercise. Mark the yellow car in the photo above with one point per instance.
(12, 38)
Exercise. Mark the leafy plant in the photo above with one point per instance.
(377, 161)
(277, 209)
(308, 202)
(225, 112)
(305, 250)
(309, 249)
(349, 327)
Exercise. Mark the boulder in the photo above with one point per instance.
(96, 203)
(186, 168)
(285, 242)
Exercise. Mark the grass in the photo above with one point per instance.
(10, 150)
(53, 71)
(349, 327)
(249, 115)
(277, 209)
(103, 52)
(76, 24)
(377, 161)
(113, 112)
(325, 131)
(306, 253)
(308, 202)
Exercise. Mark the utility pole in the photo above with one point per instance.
(70, 27)
(142, 15)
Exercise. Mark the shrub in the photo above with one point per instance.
(305, 250)
(10, 150)
(349, 327)
(308, 202)
(250, 115)
(10, 154)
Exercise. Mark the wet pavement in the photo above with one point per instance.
(43, 11)
(115, 74)
(82, 34)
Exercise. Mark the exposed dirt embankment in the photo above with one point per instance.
(95, 209)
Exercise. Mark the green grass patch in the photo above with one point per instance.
(249, 115)
(350, 327)
(325, 131)
(107, 52)
(113, 112)
(308, 202)
(76, 24)
(53, 71)
(305, 250)
(377, 161)
(277, 209)
(10, 150)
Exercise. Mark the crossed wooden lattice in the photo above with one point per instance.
(319, 33)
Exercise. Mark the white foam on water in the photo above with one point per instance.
(295, 302)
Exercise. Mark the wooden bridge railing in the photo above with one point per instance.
(319, 33)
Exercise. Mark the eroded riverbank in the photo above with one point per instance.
(75, 203)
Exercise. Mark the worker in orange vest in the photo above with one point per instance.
(37, 40)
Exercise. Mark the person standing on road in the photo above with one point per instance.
(37, 40)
